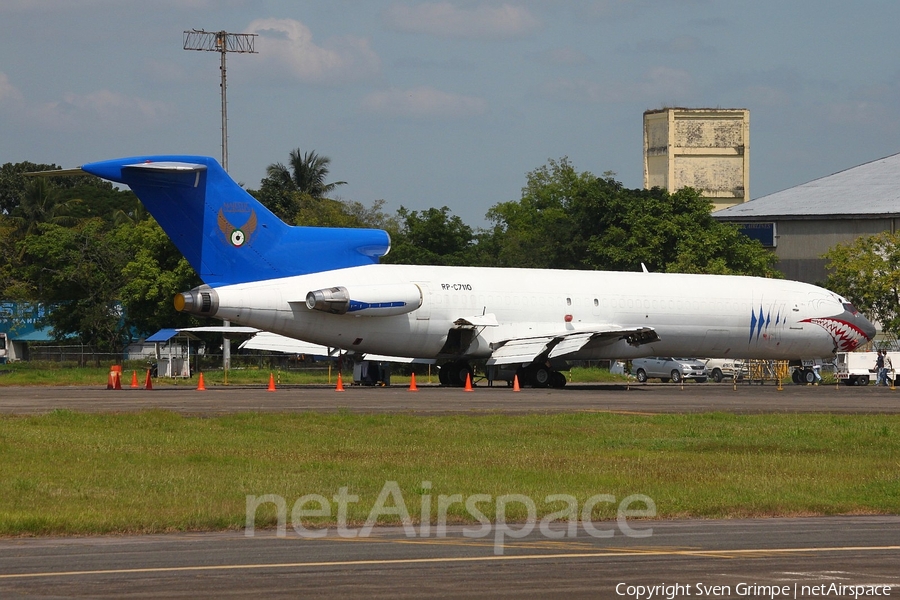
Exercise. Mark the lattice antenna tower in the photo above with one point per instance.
(223, 43)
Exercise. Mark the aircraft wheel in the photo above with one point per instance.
(808, 376)
(676, 376)
(541, 377)
(459, 372)
(444, 374)
(717, 375)
(795, 376)
(641, 375)
(557, 380)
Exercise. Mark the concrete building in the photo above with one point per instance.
(800, 224)
(707, 149)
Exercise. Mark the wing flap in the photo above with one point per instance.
(488, 320)
(563, 345)
(523, 350)
(572, 343)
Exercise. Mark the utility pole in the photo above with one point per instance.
(223, 43)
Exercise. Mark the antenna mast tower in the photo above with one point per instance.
(221, 42)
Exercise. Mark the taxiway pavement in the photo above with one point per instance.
(726, 557)
(647, 398)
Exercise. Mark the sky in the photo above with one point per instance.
(449, 103)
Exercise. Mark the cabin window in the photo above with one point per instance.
(568, 302)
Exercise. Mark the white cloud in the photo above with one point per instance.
(563, 56)
(288, 44)
(446, 20)
(423, 102)
(100, 109)
(8, 92)
(661, 84)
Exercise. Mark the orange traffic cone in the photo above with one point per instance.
(516, 383)
(412, 384)
(271, 387)
(134, 381)
(200, 386)
(468, 383)
(340, 384)
(110, 383)
(118, 381)
(149, 384)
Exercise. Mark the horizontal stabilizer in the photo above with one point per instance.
(226, 234)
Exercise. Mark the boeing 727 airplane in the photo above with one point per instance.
(325, 286)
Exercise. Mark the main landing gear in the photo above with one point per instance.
(454, 373)
(541, 376)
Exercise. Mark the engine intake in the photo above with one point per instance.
(203, 301)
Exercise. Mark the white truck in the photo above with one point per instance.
(858, 368)
(726, 368)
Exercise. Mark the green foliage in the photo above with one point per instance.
(867, 272)
(432, 237)
(78, 269)
(571, 220)
(306, 174)
(154, 273)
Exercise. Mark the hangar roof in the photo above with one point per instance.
(869, 190)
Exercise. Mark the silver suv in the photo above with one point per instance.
(666, 368)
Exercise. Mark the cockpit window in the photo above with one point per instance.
(849, 307)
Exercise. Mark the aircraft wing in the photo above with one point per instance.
(565, 344)
(273, 342)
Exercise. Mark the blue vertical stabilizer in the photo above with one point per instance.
(225, 233)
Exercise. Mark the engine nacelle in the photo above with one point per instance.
(367, 300)
(203, 301)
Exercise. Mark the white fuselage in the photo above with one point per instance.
(694, 315)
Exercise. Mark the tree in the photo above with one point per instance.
(867, 273)
(13, 182)
(41, 204)
(287, 190)
(78, 270)
(432, 237)
(306, 175)
(153, 274)
(571, 220)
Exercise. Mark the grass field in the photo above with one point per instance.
(67, 473)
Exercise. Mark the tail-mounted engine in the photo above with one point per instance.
(367, 300)
(203, 301)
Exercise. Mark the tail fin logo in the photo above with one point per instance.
(237, 236)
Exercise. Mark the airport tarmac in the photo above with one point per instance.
(792, 552)
(726, 557)
(433, 399)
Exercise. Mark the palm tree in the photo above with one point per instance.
(307, 174)
(41, 204)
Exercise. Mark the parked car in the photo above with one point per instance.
(726, 368)
(667, 367)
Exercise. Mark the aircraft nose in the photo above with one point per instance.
(866, 326)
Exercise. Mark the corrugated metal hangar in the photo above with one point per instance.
(802, 223)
